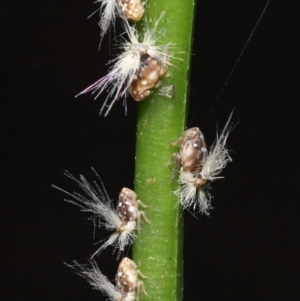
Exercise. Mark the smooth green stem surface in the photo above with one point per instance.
(158, 249)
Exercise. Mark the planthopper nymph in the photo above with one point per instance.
(199, 166)
(136, 70)
(128, 287)
(123, 220)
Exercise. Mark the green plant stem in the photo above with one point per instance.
(158, 249)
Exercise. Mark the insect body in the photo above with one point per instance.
(147, 78)
(192, 151)
(127, 279)
(133, 10)
(123, 221)
(127, 210)
(128, 286)
(199, 167)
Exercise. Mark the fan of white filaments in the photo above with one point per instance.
(97, 202)
(109, 10)
(96, 279)
(126, 65)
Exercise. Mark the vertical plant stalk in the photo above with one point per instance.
(158, 249)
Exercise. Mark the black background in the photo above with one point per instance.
(249, 248)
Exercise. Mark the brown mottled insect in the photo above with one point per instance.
(151, 70)
(192, 151)
(127, 209)
(128, 286)
(199, 167)
(131, 71)
(133, 10)
(123, 221)
(127, 279)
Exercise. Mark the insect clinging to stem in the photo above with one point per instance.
(128, 286)
(123, 220)
(129, 71)
(199, 167)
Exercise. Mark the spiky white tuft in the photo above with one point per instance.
(110, 9)
(97, 202)
(96, 279)
(119, 239)
(218, 155)
(192, 196)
